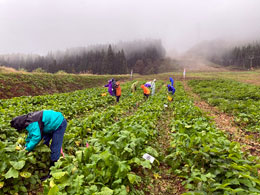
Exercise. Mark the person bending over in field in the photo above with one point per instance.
(153, 86)
(146, 91)
(118, 91)
(45, 124)
(111, 87)
(171, 89)
(133, 86)
(148, 84)
(172, 81)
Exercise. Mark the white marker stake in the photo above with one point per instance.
(184, 73)
(148, 157)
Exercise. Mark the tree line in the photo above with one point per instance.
(243, 57)
(142, 57)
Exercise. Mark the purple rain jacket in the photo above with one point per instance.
(110, 88)
(147, 85)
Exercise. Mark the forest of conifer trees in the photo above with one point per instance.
(243, 57)
(142, 57)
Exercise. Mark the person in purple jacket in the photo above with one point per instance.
(111, 91)
(148, 84)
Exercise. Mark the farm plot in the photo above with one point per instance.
(20, 172)
(70, 104)
(239, 99)
(106, 166)
(203, 155)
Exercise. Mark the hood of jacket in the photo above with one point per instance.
(19, 122)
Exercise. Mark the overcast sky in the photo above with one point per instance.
(37, 26)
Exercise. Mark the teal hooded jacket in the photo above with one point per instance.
(51, 121)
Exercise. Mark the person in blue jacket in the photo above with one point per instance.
(45, 124)
(172, 81)
(171, 89)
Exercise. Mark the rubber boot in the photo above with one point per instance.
(49, 175)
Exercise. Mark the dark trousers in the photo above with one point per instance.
(117, 98)
(57, 139)
(146, 96)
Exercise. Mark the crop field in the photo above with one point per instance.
(203, 155)
(239, 99)
(105, 141)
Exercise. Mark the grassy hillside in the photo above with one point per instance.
(17, 84)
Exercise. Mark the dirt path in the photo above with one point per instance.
(160, 180)
(225, 123)
(197, 64)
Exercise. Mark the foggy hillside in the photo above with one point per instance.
(142, 56)
(239, 54)
(207, 49)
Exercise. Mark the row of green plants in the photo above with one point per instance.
(115, 150)
(202, 154)
(70, 104)
(87, 124)
(20, 171)
(239, 99)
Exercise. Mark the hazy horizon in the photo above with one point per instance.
(39, 26)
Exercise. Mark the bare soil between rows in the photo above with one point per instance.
(160, 180)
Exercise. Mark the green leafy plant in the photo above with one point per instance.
(202, 154)
(239, 99)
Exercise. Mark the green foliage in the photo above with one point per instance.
(22, 70)
(61, 72)
(117, 142)
(115, 148)
(240, 99)
(39, 70)
(202, 154)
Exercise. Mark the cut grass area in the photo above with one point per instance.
(252, 77)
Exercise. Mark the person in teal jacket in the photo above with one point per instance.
(45, 124)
